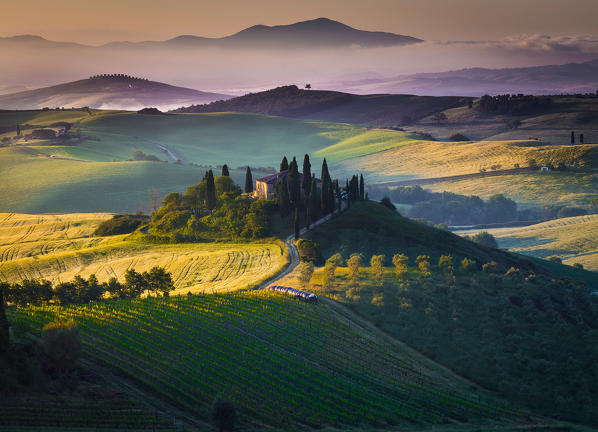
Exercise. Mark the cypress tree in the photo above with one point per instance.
(210, 191)
(248, 181)
(325, 173)
(294, 183)
(331, 199)
(314, 201)
(18, 130)
(283, 197)
(4, 335)
(225, 170)
(572, 137)
(581, 138)
(307, 218)
(284, 165)
(361, 188)
(306, 180)
(296, 223)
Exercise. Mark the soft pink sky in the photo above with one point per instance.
(98, 22)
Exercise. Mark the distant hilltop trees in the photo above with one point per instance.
(118, 77)
(513, 104)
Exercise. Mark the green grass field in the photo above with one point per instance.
(573, 239)
(283, 362)
(58, 247)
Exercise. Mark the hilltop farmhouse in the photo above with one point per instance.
(265, 187)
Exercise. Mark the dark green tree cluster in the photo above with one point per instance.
(35, 292)
(355, 189)
(212, 208)
(530, 337)
(516, 104)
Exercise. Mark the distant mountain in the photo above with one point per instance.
(552, 79)
(312, 34)
(371, 110)
(108, 92)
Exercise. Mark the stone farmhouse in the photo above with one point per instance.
(265, 187)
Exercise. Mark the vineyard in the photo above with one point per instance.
(116, 414)
(58, 247)
(280, 360)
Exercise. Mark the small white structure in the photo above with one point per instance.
(545, 169)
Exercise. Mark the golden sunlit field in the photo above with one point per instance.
(58, 247)
(573, 239)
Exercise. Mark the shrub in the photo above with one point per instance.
(386, 202)
(490, 267)
(458, 137)
(468, 265)
(61, 344)
(570, 212)
(445, 263)
(120, 224)
(484, 238)
(555, 259)
(224, 414)
(310, 251)
(578, 266)
(330, 267)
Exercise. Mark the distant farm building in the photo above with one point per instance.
(545, 169)
(265, 187)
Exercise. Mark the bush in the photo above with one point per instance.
(224, 414)
(458, 137)
(387, 203)
(570, 212)
(468, 265)
(484, 238)
(61, 344)
(310, 251)
(120, 224)
(555, 259)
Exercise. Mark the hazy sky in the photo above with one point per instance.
(96, 22)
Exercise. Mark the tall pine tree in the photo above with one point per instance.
(325, 173)
(248, 181)
(282, 189)
(361, 188)
(225, 170)
(306, 180)
(314, 201)
(294, 183)
(284, 165)
(210, 191)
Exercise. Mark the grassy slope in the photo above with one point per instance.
(430, 159)
(571, 188)
(370, 228)
(573, 239)
(58, 247)
(284, 362)
(552, 126)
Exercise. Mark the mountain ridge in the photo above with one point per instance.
(303, 34)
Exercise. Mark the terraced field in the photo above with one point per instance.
(574, 240)
(58, 247)
(283, 362)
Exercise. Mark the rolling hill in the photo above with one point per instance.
(58, 247)
(107, 92)
(549, 79)
(516, 326)
(370, 110)
(573, 239)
